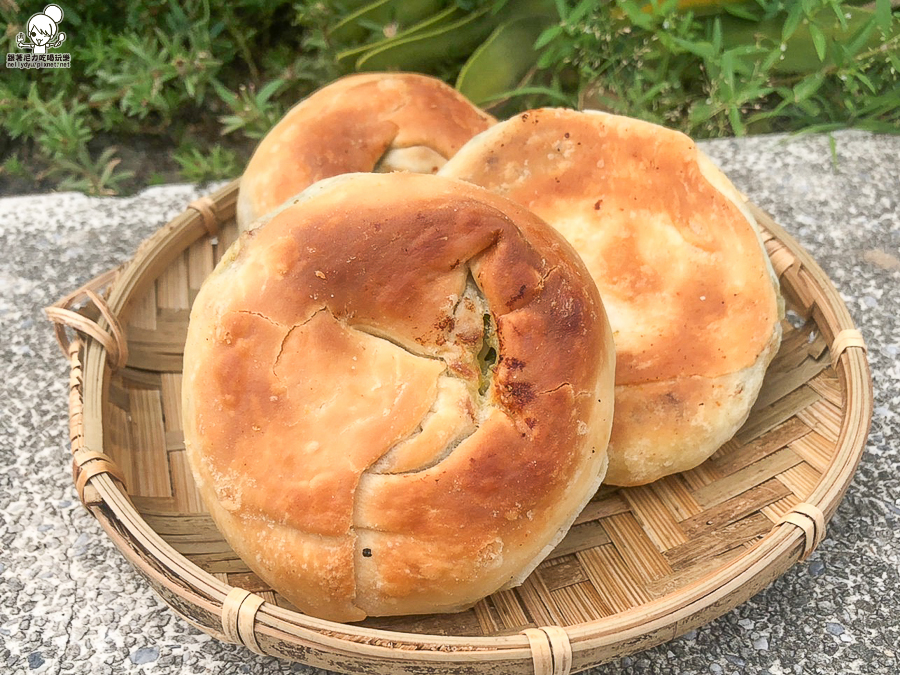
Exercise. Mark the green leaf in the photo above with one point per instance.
(580, 11)
(548, 36)
(832, 147)
(424, 50)
(807, 87)
(727, 63)
(405, 12)
(883, 15)
(704, 50)
(700, 112)
(269, 90)
(791, 21)
(861, 38)
(501, 62)
(866, 81)
(734, 117)
(561, 9)
(742, 12)
(552, 94)
(348, 57)
(809, 107)
(717, 35)
(818, 39)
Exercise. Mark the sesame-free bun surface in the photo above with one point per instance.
(690, 294)
(371, 122)
(397, 395)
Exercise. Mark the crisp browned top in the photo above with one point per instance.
(679, 266)
(333, 386)
(348, 126)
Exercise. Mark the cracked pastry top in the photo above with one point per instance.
(372, 122)
(691, 296)
(397, 395)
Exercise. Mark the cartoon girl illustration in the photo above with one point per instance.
(42, 29)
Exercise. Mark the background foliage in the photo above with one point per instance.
(161, 90)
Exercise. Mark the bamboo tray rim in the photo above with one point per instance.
(780, 548)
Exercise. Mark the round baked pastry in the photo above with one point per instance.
(397, 395)
(373, 122)
(691, 296)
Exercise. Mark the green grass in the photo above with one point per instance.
(166, 90)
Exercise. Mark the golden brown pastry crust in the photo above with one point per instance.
(681, 269)
(358, 123)
(333, 353)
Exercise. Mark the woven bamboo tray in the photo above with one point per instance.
(639, 567)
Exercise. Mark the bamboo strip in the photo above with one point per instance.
(673, 492)
(801, 480)
(581, 537)
(486, 619)
(561, 572)
(149, 460)
(719, 541)
(613, 578)
(828, 387)
(746, 478)
(174, 522)
(735, 508)
(170, 390)
(187, 499)
(141, 379)
(818, 346)
(744, 455)
(635, 547)
(168, 336)
(687, 575)
(510, 611)
(191, 546)
(118, 443)
(655, 518)
(824, 418)
(227, 562)
(815, 449)
(578, 603)
(700, 476)
(174, 440)
(154, 361)
(268, 596)
(143, 314)
(725, 450)
(200, 265)
(118, 396)
(228, 234)
(598, 509)
(174, 317)
(172, 286)
(777, 510)
(769, 417)
(144, 503)
(781, 383)
(536, 599)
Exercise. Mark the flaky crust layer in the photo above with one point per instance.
(692, 299)
(350, 430)
(374, 121)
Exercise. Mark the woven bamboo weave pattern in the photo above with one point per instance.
(630, 546)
